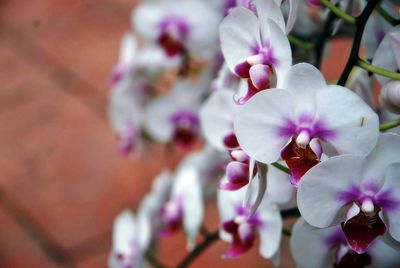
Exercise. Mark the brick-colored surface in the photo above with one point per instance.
(16, 249)
(61, 182)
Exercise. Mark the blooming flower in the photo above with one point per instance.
(126, 60)
(131, 237)
(125, 112)
(390, 96)
(387, 54)
(365, 189)
(377, 27)
(327, 247)
(217, 128)
(209, 164)
(179, 27)
(256, 48)
(153, 202)
(174, 116)
(184, 208)
(239, 227)
(298, 122)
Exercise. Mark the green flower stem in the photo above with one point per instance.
(281, 167)
(300, 42)
(371, 68)
(389, 125)
(340, 13)
(384, 14)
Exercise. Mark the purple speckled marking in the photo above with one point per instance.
(387, 201)
(179, 23)
(370, 190)
(255, 219)
(371, 186)
(379, 36)
(306, 122)
(185, 116)
(352, 194)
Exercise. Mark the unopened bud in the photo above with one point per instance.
(390, 96)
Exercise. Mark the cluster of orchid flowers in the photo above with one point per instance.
(231, 75)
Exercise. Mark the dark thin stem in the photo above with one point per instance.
(204, 232)
(384, 14)
(321, 42)
(151, 259)
(289, 213)
(208, 241)
(361, 21)
(287, 232)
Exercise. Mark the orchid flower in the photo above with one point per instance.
(239, 227)
(256, 48)
(360, 192)
(225, 79)
(209, 164)
(127, 54)
(308, 20)
(361, 83)
(376, 28)
(179, 27)
(154, 201)
(174, 116)
(387, 55)
(125, 112)
(184, 207)
(390, 96)
(304, 120)
(227, 5)
(131, 237)
(327, 247)
(147, 61)
(217, 128)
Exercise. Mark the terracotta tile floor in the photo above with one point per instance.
(61, 182)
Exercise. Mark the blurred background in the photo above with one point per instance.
(61, 181)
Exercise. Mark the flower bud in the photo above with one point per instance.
(390, 96)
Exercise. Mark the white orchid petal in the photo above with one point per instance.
(385, 57)
(282, 52)
(188, 187)
(271, 230)
(293, 11)
(308, 244)
(304, 81)
(318, 195)
(124, 232)
(383, 255)
(392, 186)
(216, 117)
(279, 188)
(239, 31)
(354, 124)
(385, 152)
(269, 10)
(258, 122)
